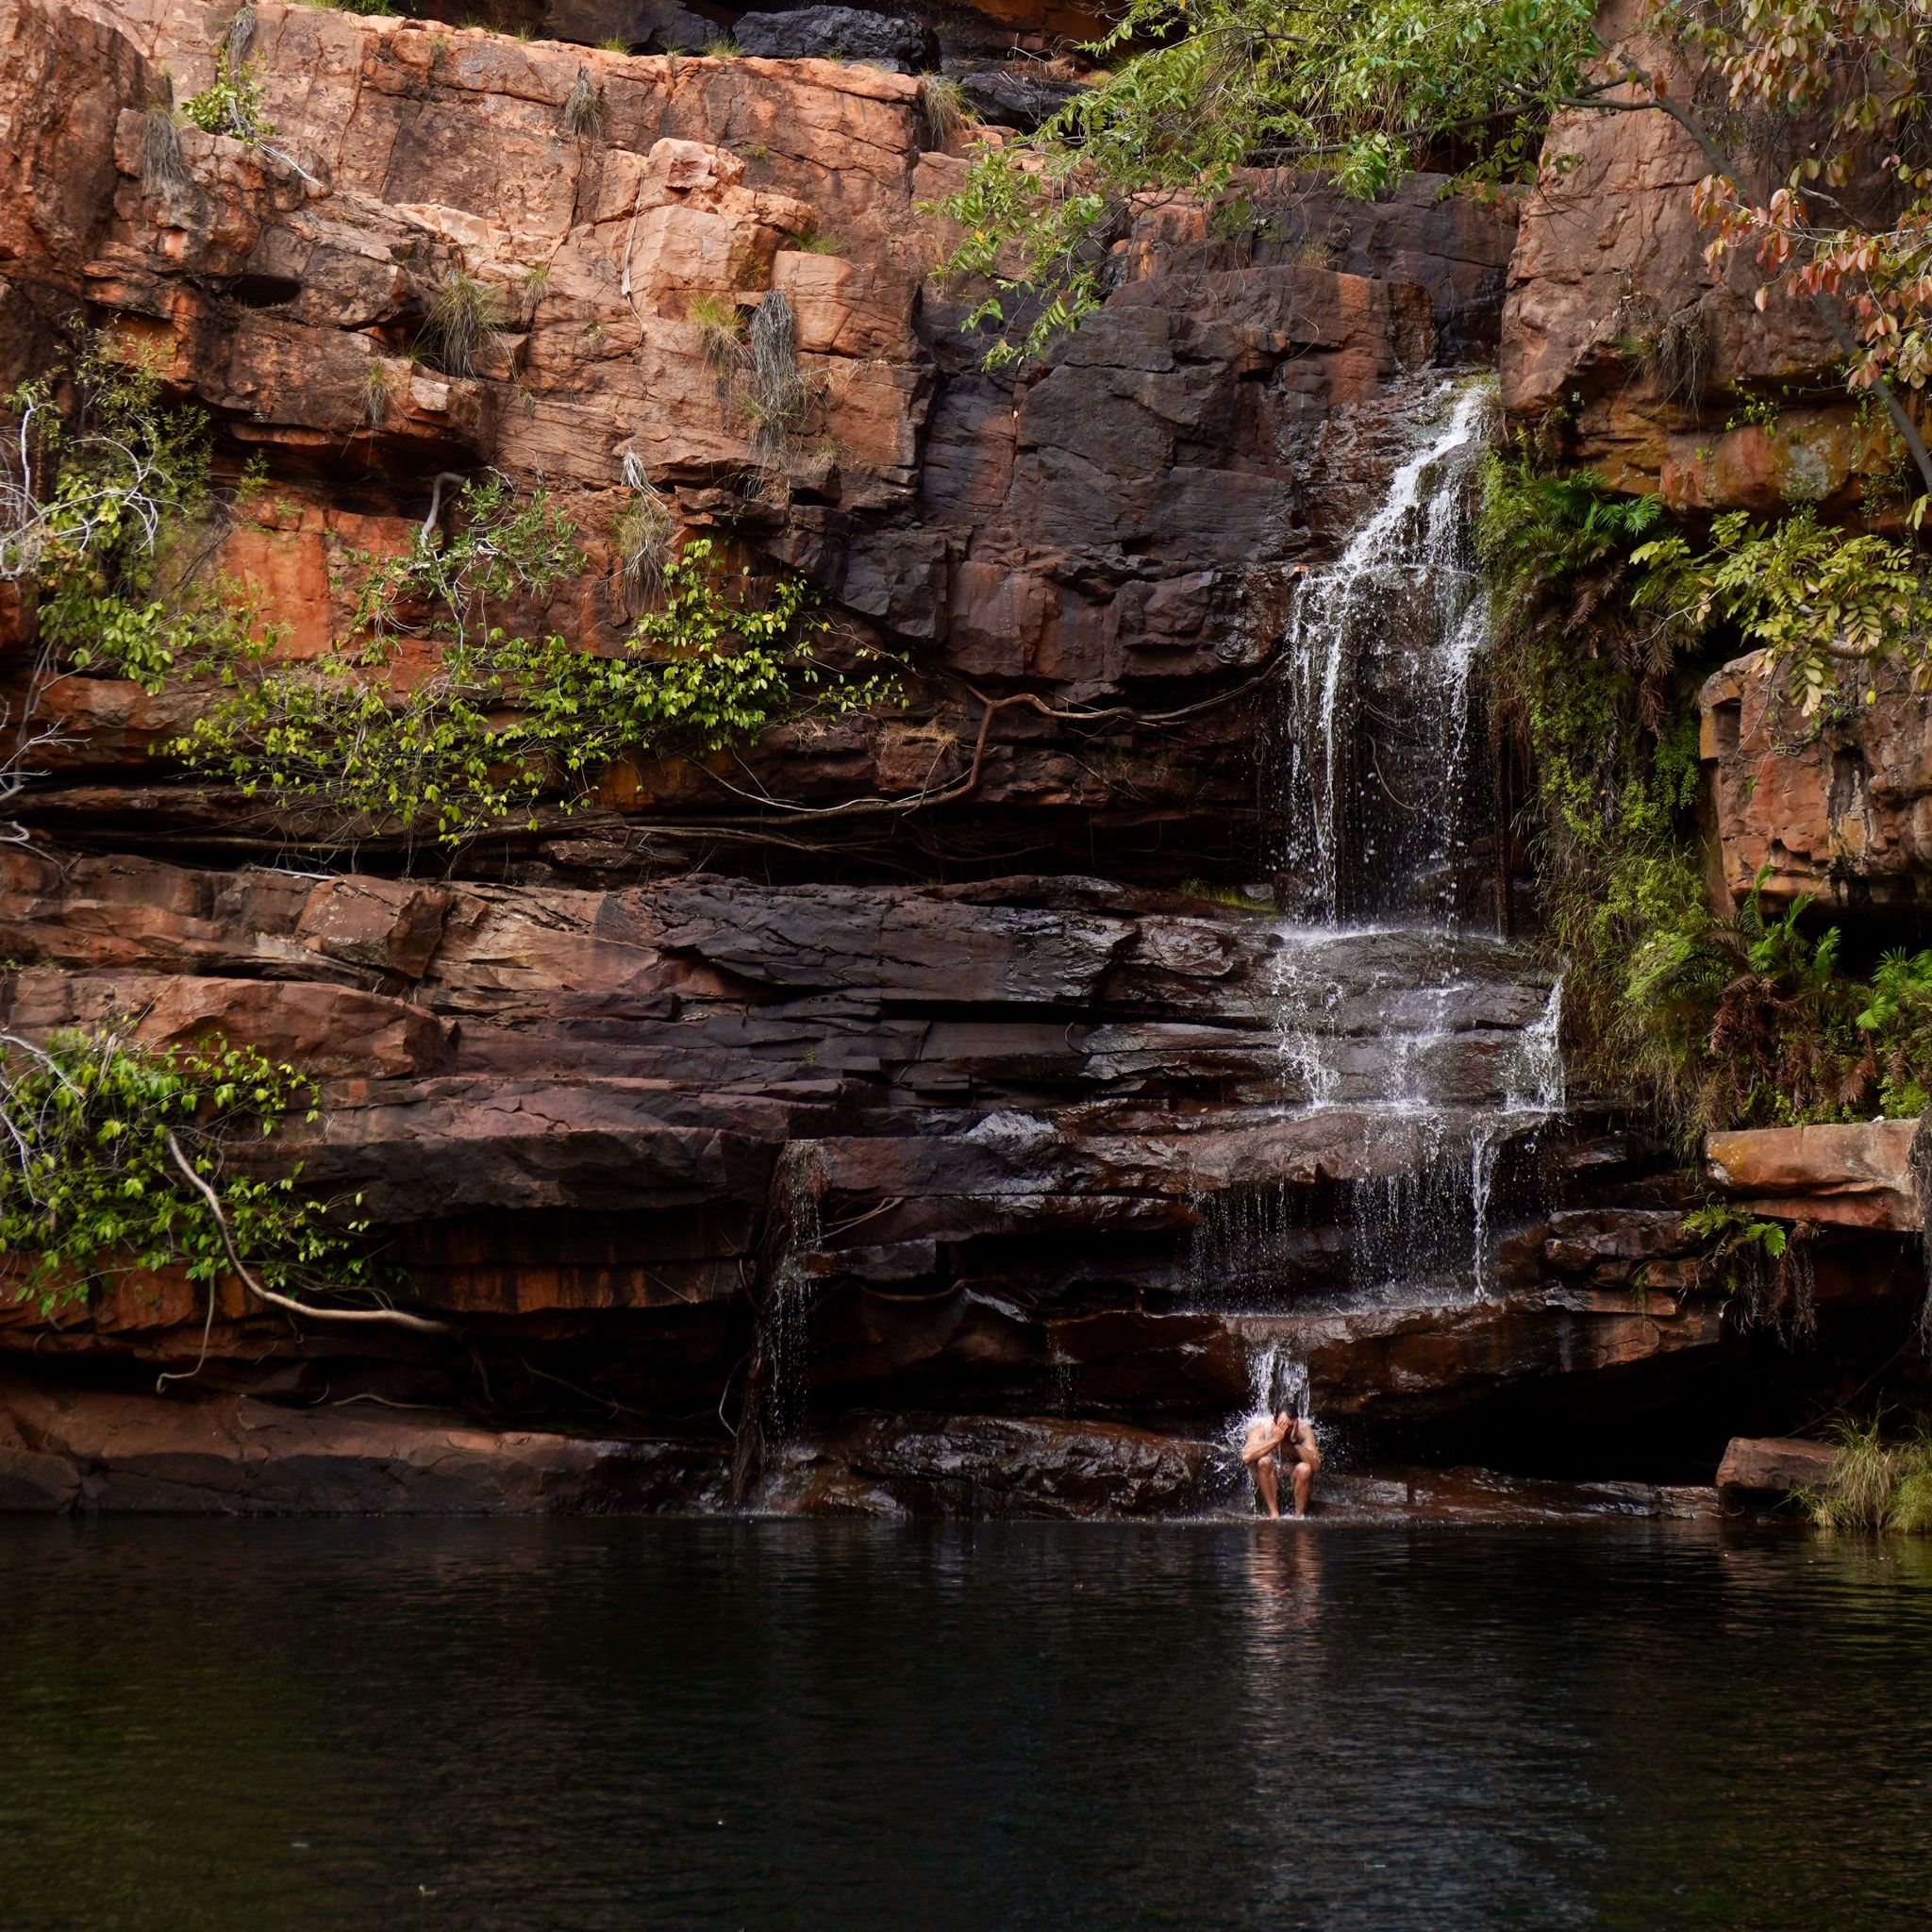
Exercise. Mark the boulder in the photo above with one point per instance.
(839, 33)
(1859, 1175)
(1010, 97)
(1756, 1467)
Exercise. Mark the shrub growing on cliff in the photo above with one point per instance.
(1366, 89)
(641, 537)
(232, 103)
(107, 514)
(162, 170)
(91, 1185)
(1606, 623)
(505, 721)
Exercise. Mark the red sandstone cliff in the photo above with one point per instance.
(958, 1054)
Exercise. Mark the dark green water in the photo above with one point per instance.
(277, 1726)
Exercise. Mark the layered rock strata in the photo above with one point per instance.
(879, 1088)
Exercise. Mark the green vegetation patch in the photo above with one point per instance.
(91, 1186)
(1608, 620)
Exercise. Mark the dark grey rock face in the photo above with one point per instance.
(1010, 99)
(839, 33)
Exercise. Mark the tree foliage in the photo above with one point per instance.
(1857, 70)
(1366, 89)
(89, 1188)
(1812, 598)
(505, 719)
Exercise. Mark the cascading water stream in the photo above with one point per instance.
(1401, 614)
(1400, 1017)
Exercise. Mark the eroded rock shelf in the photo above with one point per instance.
(960, 1145)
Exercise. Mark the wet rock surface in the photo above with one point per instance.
(88, 1452)
(1860, 1174)
(955, 1138)
(1764, 1467)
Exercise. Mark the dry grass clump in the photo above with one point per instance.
(720, 325)
(162, 170)
(462, 316)
(376, 384)
(773, 394)
(640, 539)
(585, 107)
(944, 112)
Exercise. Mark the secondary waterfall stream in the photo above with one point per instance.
(1427, 1043)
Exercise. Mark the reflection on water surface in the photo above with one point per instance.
(568, 1724)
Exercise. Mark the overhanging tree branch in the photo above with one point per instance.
(398, 1318)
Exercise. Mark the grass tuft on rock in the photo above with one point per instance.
(162, 170)
(585, 109)
(461, 320)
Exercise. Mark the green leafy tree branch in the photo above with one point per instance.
(115, 1157)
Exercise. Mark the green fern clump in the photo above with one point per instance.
(1607, 618)
(1897, 1021)
(1589, 674)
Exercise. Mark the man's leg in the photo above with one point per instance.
(1264, 1481)
(1303, 1478)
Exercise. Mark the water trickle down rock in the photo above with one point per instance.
(1396, 1015)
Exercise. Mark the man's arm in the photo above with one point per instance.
(1271, 1441)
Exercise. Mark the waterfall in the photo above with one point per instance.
(800, 1181)
(774, 1403)
(1430, 1044)
(1277, 1379)
(1374, 792)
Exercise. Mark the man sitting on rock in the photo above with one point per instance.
(1261, 1453)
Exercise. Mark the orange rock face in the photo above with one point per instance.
(1855, 1176)
(1618, 323)
(1838, 805)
